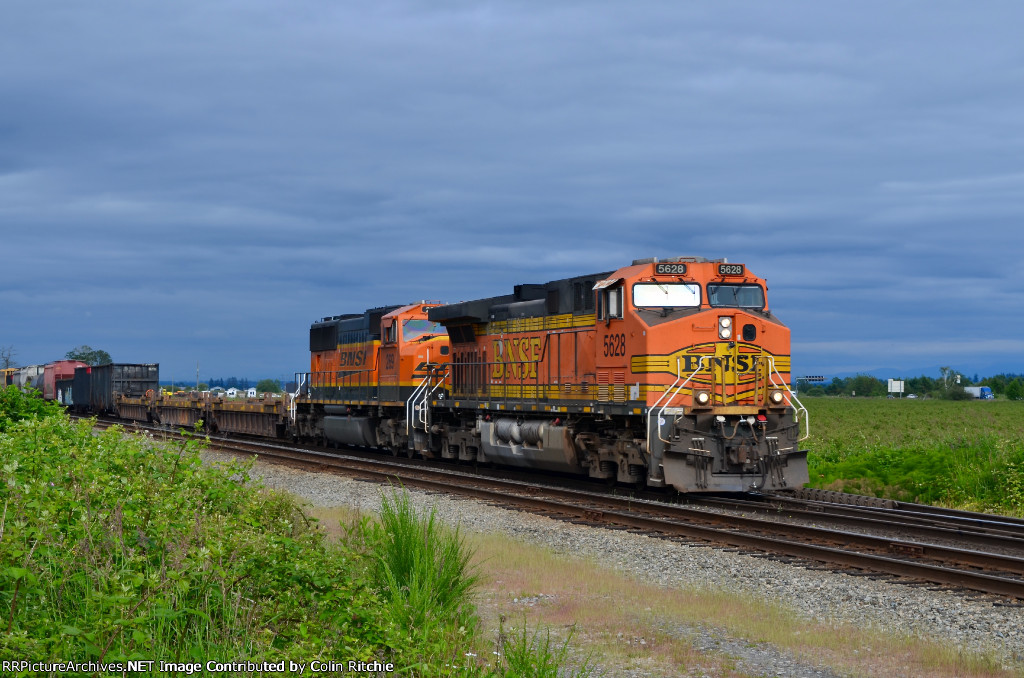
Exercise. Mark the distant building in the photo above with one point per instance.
(232, 392)
(251, 392)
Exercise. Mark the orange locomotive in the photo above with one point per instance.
(364, 370)
(671, 372)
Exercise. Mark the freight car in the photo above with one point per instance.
(58, 377)
(100, 388)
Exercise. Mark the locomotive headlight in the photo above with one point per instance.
(725, 328)
(701, 398)
(776, 397)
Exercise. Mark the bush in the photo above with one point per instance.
(17, 405)
(116, 547)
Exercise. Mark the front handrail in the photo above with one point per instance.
(791, 397)
(411, 403)
(674, 391)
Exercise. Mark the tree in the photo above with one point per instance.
(268, 386)
(7, 354)
(956, 392)
(89, 355)
(1015, 390)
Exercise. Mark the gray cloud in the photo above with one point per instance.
(200, 181)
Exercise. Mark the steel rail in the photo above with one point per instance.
(879, 518)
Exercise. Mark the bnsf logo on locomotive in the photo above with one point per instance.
(516, 358)
(351, 358)
(728, 363)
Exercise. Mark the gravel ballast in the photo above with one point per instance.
(952, 619)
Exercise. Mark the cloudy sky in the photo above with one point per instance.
(198, 181)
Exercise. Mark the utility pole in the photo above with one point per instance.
(197, 375)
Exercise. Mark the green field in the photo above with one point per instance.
(965, 454)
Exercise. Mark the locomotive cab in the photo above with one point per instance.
(413, 348)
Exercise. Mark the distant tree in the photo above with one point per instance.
(7, 354)
(268, 386)
(89, 355)
(203, 387)
(956, 392)
(866, 385)
(1015, 390)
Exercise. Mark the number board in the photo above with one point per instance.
(670, 269)
(730, 269)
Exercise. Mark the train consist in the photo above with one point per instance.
(670, 372)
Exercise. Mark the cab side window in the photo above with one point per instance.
(609, 303)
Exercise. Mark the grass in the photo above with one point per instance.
(966, 454)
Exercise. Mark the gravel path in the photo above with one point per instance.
(952, 619)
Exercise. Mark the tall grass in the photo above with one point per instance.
(422, 570)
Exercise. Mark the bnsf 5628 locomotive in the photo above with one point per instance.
(666, 372)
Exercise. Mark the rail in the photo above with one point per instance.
(668, 391)
(791, 397)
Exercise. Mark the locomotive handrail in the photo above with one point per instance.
(300, 380)
(410, 404)
(359, 381)
(700, 366)
(782, 384)
(423, 392)
(441, 371)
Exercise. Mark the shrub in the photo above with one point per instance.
(117, 547)
(17, 405)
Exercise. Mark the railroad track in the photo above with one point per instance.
(988, 558)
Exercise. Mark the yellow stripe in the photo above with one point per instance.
(549, 322)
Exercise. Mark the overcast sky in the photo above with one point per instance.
(199, 181)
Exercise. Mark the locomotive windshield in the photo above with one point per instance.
(415, 328)
(666, 295)
(736, 296)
